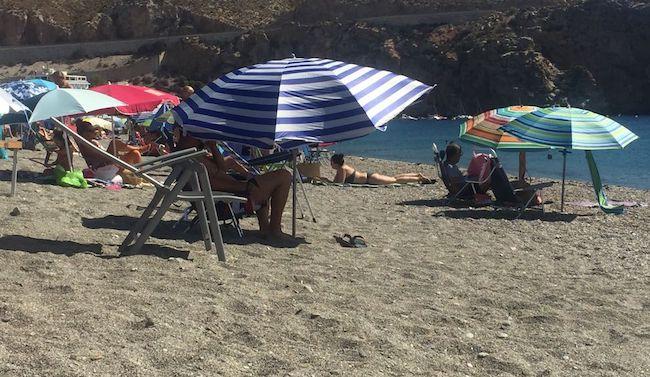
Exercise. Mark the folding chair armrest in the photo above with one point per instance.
(172, 161)
(227, 197)
(167, 157)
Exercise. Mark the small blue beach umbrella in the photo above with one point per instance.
(24, 89)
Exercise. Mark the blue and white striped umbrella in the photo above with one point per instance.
(296, 101)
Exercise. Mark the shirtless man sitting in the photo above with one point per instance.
(263, 190)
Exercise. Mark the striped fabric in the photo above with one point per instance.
(483, 129)
(570, 128)
(296, 101)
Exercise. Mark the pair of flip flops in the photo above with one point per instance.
(351, 241)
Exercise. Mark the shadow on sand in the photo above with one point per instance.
(168, 230)
(70, 248)
(460, 211)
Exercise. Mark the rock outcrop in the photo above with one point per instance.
(590, 55)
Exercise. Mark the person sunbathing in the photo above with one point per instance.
(270, 188)
(103, 167)
(347, 174)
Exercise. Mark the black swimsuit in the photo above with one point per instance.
(350, 178)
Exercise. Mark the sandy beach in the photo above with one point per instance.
(440, 291)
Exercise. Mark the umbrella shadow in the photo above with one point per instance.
(27, 177)
(40, 245)
(530, 215)
(69, 248)
(437, 203)
(165, 230)
(172, 230)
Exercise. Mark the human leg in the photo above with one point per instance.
(380, 179)
(273, 187)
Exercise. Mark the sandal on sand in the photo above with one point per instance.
(351, 241)
(428, 181)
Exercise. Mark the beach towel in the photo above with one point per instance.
(601, 196)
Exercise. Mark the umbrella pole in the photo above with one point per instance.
(564, 152)
(67, 149)
(294, 195)
(114, 146)
(522, 166)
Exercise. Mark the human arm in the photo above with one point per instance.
(217, 157)
(340, 175)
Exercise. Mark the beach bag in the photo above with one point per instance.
(479, 169)
(74, 178)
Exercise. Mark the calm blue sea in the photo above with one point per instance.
(410, 140)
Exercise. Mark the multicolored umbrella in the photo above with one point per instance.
(483, 129)
(570, 128)
(24, 89)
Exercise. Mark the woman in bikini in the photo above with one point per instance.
(347, 174)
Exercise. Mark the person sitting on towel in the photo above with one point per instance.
(347, 174)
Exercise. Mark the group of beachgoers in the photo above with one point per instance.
(267, 193)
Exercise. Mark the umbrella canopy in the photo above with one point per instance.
(483, 129)
(23, 116)
(63, 102)
(296, 101)
(137, 99)
(24, 89)
(570, 128)
(48, 84)
(9, 104)
(100, 122)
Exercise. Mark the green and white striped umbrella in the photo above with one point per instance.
(570, 128)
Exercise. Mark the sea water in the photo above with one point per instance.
(410, 140)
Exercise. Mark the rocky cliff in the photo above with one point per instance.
(58, 21)
(593, 54)
(586, 53)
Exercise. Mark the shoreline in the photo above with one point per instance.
(535, 179)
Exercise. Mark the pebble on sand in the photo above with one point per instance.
(15, 212)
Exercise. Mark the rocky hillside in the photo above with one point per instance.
(593, 54)
(58, 21)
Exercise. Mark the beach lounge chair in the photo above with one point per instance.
(186, 170)
(471, 187)
(508, 197)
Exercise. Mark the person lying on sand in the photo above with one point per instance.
(263, 190)
(347, 174)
